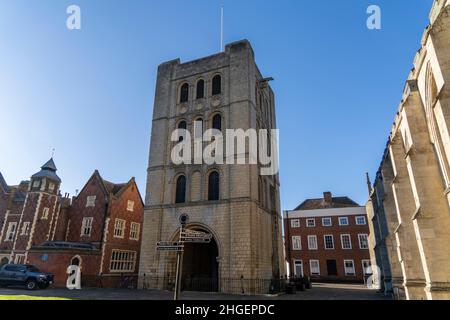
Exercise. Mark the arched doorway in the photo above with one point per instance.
(201, 266)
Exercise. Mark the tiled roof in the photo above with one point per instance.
(337, 202)
(113, 188)
(48, 170)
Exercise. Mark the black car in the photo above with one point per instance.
(24, 275)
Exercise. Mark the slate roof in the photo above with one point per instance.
(3, 185)
(337, 202)
(48, 170)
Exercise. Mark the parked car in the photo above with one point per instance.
(24, 275)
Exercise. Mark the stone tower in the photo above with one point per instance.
(233, 202)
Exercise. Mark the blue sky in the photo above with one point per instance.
(89, 93)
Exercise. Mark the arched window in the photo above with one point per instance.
(214, 186)
(184, 93)
(217, 85)
(200, 89)
(180, 196)
(182, 125)
(217, 122)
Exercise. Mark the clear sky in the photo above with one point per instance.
(89, 93)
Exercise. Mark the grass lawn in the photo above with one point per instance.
(29, 298)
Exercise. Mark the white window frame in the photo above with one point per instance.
(135, 228)
(316, 246)
(311, 267)
(349, 240)
(119, 228)
(298, 262)
(86, 225)
(25, 228)
(130, 206)
(328, 219)
(344, 224)
(11, 232)
(325, 241)
(313, 224)
(360, 217)
(122, 261)
(353, 267)
(364, 267)
(295, 223)
(90, 201)
(366, 236)
(51, 187)
(45, 213)
(294, 242)
(36, 183)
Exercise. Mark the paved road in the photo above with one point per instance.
(319, 292)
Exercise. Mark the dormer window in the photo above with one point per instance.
(51, 187)
(36, 184)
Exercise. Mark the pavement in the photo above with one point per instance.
(318, 292)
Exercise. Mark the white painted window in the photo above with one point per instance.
(45, 212)
(329, 242)
(130, 206)
(90, 201)
(25, 229)
(51, 187)
(367, 267)
(363, 241)
(296, 243)
(343, 221)
(361, 220)
(134, 231)
(36, 184)
(327, 222)
(312, 242)
(314, 266)
(122, 261)
(119, 228)
(295, 223)
(310, 223)
(346, 241)
(298, 268)
(349, 266)
(86, 227)
(11, 232)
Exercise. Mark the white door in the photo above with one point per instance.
(298, 268)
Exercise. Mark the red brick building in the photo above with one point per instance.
(99, 229)
(327, 239)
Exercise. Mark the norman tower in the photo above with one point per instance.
(237, 205)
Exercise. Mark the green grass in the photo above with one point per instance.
(29, 298)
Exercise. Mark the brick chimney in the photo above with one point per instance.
(328, 197)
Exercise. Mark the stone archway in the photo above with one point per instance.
(201, 266)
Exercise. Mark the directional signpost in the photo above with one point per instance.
(186, 236)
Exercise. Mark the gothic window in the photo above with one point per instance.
(214, 186)
(180, 196)
(184, 93)
(217, 85)
(217, 122)
(200, 89)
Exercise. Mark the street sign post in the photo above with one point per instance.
(186, 236)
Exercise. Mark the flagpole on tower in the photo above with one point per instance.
(221, 28)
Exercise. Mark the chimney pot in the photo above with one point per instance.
(328, 197)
